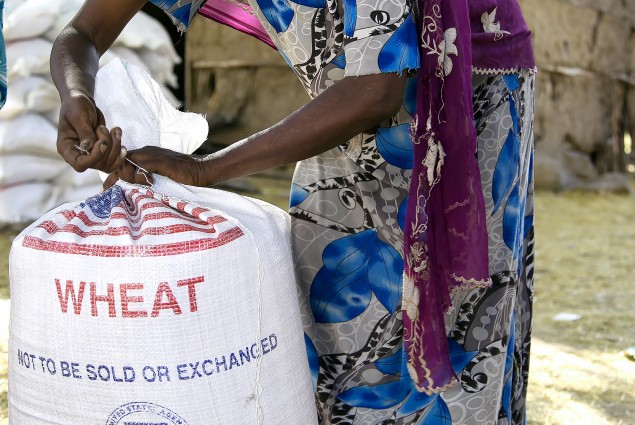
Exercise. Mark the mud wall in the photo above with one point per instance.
(242, 84)
(585, 99)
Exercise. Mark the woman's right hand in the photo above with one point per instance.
(82, 138)
(181, 168)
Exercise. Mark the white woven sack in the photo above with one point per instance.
(12, 5)
(39, 14)
(67, 10)
(171, 305)
(31, 94)
(75, 194)
(21, 203)
(160, 66)
(28, 57)
(129, 56)
(131, 99)
(53, 116)
(28, 133)
(70, 178)
(143, 31)
(29, 168)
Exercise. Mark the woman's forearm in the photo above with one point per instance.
(76, 51)
(74, 63)
(346, 109)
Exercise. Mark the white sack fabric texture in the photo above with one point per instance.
(164, 305)
(130, 99)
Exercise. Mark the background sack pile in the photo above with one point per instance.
(33, 177)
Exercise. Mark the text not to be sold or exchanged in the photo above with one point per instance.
(149, 373)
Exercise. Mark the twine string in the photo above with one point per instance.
(138, 169)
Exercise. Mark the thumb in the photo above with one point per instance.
(85, 123)
(86, 134)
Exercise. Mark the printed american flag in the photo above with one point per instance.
(132, 223)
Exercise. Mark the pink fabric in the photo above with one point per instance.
(236, 15)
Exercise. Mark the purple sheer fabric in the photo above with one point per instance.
(445, 236)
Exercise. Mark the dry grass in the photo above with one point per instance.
(585, 255)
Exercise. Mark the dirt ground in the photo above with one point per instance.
(584, 261)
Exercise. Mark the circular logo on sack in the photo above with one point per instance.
(143, 413)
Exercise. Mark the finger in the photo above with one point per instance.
(127, 172)
(67, 143)
(142, 173)
(144, 157)
(102, 133)
(85, 134)
(111, 180)
(105, 144)
(101, 149)
(67, 148)
(116, 153)
(90, 153)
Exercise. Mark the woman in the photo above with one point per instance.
(425, 340)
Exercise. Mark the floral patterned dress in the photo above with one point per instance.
(348, 207)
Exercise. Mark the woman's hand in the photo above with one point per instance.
(179, 167)
(82, 138)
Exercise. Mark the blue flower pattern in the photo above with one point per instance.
(355, 268)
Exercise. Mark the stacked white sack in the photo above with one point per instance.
(33, 178)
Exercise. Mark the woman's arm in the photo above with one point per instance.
(342, 111)
(74, 64)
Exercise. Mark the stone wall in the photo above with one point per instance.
(585, 88)
(585, 51)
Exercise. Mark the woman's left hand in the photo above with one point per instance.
(179, 167)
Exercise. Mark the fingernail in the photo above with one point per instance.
(118, 134)
(103, 147)
(123, 152)
(83, 144)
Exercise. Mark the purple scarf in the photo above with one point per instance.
(446, 239)
(445, 245)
